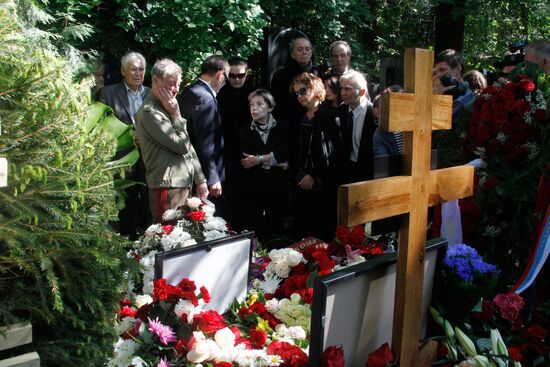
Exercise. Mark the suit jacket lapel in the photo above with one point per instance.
(123, 97)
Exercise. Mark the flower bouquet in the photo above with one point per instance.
(466, 279)
(509, 130)
(180, 228)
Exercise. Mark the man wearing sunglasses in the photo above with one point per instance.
(233, 106)
(199, 107)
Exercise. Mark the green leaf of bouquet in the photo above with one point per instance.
(484, 344)
(311, 278)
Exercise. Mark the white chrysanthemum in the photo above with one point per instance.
(193, 203)
(213, 234)
(183, 306)
(142, 300)
(148, 261)
(124, 353)
(138, 362)
(215, 223)
(273, 360)
(124, 325)
(175, 239)
(209, 210)
(153, 230)
(269, 285)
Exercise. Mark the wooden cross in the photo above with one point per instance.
(415, 113)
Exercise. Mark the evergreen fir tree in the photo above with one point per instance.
(61, 266)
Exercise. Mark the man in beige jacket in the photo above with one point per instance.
(171, 163)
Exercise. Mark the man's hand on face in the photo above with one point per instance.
(168, 100)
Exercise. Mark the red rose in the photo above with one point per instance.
(527, 85)
(167, 228)
(381, 357)
(333, 357)
(196, 216)
(258, 337)
(205, 294)
(223, 364)
(209, 322)
(292, 355)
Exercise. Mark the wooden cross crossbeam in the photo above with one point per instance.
(416, 114)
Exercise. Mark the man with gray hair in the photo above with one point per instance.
(170, 159)
(538, 52)
(125, 98)
(358, 126)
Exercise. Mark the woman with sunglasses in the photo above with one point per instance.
(265, 152)
(317, 147)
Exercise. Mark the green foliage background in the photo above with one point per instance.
(61, 266)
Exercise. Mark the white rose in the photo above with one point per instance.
(143, 299)
(295, 298)
(225, 338)
(276, 255)
(294, 258)
(272, 305)
(193, 203)
(281, 329)
(297, 332)
(282, 270)
(200, 353)
(295, 311)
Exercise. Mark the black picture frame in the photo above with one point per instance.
(201, 263)
(378, 274)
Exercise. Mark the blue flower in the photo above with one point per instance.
(466, 263)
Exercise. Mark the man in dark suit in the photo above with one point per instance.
(357, 124)
(125, 98)
(199, 107)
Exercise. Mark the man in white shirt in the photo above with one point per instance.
(357, 124)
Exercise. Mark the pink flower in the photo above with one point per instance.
(163, 363)
(165, 333)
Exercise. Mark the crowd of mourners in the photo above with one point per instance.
(271, 160)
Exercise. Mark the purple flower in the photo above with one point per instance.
(163, 363)
(466, 263)
(164, 332)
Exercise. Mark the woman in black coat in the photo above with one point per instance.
(317, 148)
(265, 149)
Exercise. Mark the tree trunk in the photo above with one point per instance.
(449, 25)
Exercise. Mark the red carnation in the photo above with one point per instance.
(535, 333)
(167, 229)
(381, 357)
(126, 311)
(196, 216)
(209, 322)
(292, 355)
(509, 305)
(205, 294)
(223, 364)
(333, 357)
(247, 344)
(187, 285)
(258, 337)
